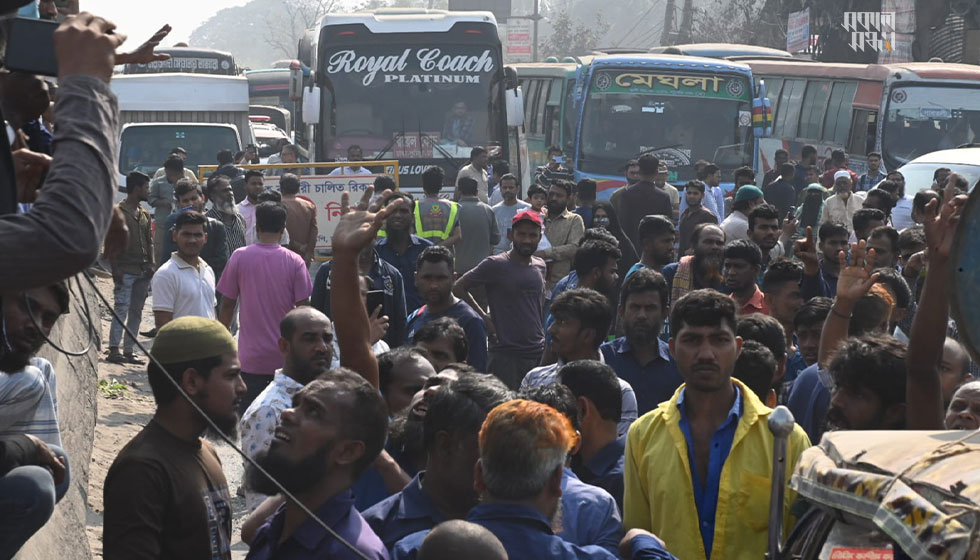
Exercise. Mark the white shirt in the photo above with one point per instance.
(261, 418)
(837, 211)
(478, 175)
(184, 290)
(350, 171)
(736, 226)
(29, 404)
(902, 214)
(546, 375)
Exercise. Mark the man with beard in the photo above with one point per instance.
(215, 251)
(841, 207)
(519, 476)
(582, 319)
(334, 430)
(306, 343)
(515, 286)
(254, 186)
(444, 489)
(699, 467)
(640, 358)
(765, 233)
(223, 209)
(165, 494)
(34, 472)
(504, 211)
(703, 268)
(657, 237)
(564, 228)
(869, 385)
(741, 269)
(434, 278)
(184, 285)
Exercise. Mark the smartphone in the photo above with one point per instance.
(30, 47)
(792, 212)
(559, 159)
(376, 298)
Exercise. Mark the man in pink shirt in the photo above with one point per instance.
(267, 280)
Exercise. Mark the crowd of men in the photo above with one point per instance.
(554, 377)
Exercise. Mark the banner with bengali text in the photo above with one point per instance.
(325, 191)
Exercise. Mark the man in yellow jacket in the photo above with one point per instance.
(698, 468)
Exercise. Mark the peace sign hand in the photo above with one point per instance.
(856, 279)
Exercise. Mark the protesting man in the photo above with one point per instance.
(216, 249)
(564, 228)
(477, 171)
(300, 218)
(504, 211)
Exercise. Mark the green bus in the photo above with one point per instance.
(549, 108)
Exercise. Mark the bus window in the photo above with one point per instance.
(862, 132)
(814, 107)
(552, 127)
(540, 106)
(788, 119)
(532, 104)
(839, 113)
(570, 114)
(773, 85)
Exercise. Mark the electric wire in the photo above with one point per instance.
(208, 420)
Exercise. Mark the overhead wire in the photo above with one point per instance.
(214, 427)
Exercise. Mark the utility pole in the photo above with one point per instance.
(535, 17)
(668, 23)
(687, 21)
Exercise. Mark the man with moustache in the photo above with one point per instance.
(223, 209)
(869, 384)
(34, 473)
(165, 494)
(515, 284)
(306, 343)
(184, 285)
(701, 270)
(564, 228)
(699, 467)
(454, 412)
(334, 430)
(505, 210)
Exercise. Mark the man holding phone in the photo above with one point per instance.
(555, 169)
(70, 217)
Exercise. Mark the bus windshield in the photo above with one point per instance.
(680, 118)
(923, 119)
(409, 102)
(144, 148)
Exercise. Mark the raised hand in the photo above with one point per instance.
(806, 250)
(144, 53)
(940, 221)
(357, 228)
(856, 279)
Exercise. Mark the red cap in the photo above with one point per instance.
(527, 215)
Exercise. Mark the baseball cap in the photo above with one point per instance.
(841, 173)
(524, 215)
(748, 192)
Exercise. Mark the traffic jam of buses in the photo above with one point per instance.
(458, 280)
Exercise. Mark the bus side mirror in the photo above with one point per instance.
(515, 107)
(295, 81)
(311, 105)
(762, 117)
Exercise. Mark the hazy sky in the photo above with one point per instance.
(138, 20)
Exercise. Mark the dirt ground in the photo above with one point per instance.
(122, 412)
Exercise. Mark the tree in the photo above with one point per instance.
(569, 38)
(289, 21)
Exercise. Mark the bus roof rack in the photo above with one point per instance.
(619, 50)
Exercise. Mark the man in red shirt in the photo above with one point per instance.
(743, 259)
(839, 161)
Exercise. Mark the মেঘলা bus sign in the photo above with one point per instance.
(685, 85)
(426, 65)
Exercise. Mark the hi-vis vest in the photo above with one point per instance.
(435, 233)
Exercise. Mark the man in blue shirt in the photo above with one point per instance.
(599, 460)
(640, 358)
(401, 249)
(523, 448)
(336, 428)
(435, 278)
(385, 277)
(444, 490)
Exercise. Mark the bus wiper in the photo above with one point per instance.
(657, 149)
(442, 151)
(394, 139)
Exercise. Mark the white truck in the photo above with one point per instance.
(199, 112)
